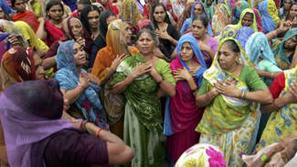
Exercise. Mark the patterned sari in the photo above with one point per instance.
(143, 120)
(283, 122)
(230, 123)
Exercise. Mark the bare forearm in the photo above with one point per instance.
(121, 86)
(73, 94)
(204, 100)
(49, 62)
(261, 96)
(272, 34)
(275, 105)
(192, 84)
(168, 88)
(41, 33)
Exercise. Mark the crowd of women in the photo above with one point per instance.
(154, 83)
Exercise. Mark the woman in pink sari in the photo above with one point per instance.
(188, 68)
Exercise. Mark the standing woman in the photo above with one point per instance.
(188, 68)
(142, 78)
(207, 44)
(51, 29)
(79, 87)
(90, 20)
(228, 89)
(167, 34)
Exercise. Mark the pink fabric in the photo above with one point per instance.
(185, 116)
(258, 20)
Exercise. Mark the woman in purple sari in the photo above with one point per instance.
(188, 68)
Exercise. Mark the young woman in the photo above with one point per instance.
(228, 89)
(188, 68)
(142, 78)
(51, 30)
(90, 20)
(167, 34)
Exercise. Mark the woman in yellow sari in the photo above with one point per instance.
(228, 89)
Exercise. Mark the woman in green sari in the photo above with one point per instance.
(228, 90)
(143, 78)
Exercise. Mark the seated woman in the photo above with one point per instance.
(229, 88)
(282, 122)
(47, 135)
(269, 15)
(188, 68)
(142, 78)
(79, 87)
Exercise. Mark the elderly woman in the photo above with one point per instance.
(229, 87)
(108, 58)
(46, 135)
(142, 78)
(79, 87)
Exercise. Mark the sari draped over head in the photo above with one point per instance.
(130, 13)
(209, 10)
(243, 35)
(114, 47)
(282, 123)
(258, 19)
(28, 17)
(258, 48)
(214, 73)
(182, 108)
(188, 22)
(109, 6)
(67, 27)
(31, 37)
(17, 65)
(222, 17)
(232, 30)
(281, 58)
(269, 15)
(205, 155)
(28, 118)
(68, 77)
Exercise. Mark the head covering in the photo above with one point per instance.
(254, 24)
(221, 18)
(68, 78)
(28, 118)
(31, 37)
(240, 6)
(269, 15)
(243, 35)
(129, 12)
(258, 19)
(197, 53)
(257, 48)
(67, 28)
(215, 72)
(205, 155)
(113, 36)
(279, 52)
(17, 65)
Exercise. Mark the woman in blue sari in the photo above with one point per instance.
(79, 87)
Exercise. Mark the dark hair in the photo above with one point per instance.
(203, 18)
(84, 2)
(294, 3)
(52, 3)
(167, 20)
(12, 3)
(153, 35)
(84, 16)
(103, 26)
(233, 45)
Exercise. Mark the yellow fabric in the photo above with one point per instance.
(30, 36)
(272, 10)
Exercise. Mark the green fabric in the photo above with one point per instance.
(141, 94)
(219, 116)
(281, 58)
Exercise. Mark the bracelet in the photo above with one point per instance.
(264, 158)
(82, 125)
(97, 134)
(243, 94)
